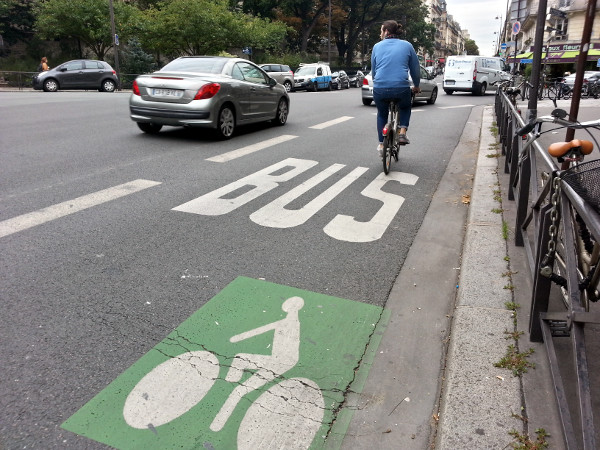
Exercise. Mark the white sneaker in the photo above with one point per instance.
(380, 150)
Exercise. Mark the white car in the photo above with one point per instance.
(587, 77)
(429, 89)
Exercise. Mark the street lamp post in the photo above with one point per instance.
(115, 41)
(500, 34)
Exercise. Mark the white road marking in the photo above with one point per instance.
(44, 215)
(331, 123)
(453, 107)
(251, 149)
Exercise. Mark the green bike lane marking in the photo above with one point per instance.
(295, 354)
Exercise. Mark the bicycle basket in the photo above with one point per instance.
(584, 179)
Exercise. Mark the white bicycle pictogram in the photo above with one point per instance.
(290, 412)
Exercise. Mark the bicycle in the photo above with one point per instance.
(591, 89)
(391, 146)
(568, 235)
(558, 90)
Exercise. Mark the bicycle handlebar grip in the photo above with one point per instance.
(526, 129)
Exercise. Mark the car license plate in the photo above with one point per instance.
(167, 93)
(449, 82)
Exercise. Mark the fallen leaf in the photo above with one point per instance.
(499, 377)
(387, 431)
(466, 199)
(436, 417)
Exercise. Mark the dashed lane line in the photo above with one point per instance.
(331, 123)
(234, 154)
(32, 219)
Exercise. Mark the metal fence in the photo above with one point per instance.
(540, 204)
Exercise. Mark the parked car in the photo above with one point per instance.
(429, 89)
(212, 92)
(472, 73)
(588, 76)
(313, 77)
(356, 78)
(282, 73)
(78, 74)
(340, 80)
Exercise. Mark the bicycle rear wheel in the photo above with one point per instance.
(388, 146)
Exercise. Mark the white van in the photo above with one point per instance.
(472, 73)
(313, 77)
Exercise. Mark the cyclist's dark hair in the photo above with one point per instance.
(391, 26)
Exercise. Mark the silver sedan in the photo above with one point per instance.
(212, 92)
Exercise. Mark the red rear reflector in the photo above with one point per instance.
(385, 131)
(207, 91)
(135, 88)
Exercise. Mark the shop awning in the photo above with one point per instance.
(556, 57)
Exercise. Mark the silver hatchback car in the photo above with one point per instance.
(212, 92)
(429, 89)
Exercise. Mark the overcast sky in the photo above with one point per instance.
(479, 18)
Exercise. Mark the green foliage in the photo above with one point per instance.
(135, 60)
(206, 27)
(87, 21)
(471, 47)
(16, 20)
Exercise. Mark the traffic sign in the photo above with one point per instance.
(516, 27)
(503, 46)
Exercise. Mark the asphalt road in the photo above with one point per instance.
(116, 264)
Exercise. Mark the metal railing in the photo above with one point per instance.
(538, 204)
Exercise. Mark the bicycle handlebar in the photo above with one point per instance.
(555, 119)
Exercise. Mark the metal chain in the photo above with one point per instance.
(546, 266)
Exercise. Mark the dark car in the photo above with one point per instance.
(356, 78)
(218, 93)
(340, 80)
(78, 74)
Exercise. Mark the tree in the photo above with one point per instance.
(205, 27)
(471, 47)
(16, 20)
(86, 20)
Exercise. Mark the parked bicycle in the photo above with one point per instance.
(559, 90)
(571, 242)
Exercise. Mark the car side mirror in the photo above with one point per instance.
(272, 82)
(63, 69)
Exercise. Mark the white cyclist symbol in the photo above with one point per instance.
(295, 405)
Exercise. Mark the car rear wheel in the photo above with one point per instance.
(433, 97)
(449, 91)
(366, 101)
(226, 122)
(50, 85)
(282, 113)
(288, 86)
(108, 86)
(150, 128)
(480, 89)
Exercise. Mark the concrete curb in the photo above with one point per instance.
(478, 399)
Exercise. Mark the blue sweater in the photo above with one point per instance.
(391, 61)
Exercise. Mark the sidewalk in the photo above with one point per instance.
(456, 398)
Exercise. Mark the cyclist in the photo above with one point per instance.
(392, 59)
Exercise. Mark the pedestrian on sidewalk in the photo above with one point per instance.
(43, 65)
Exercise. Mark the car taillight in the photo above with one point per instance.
(365, 82)
(207, 91)
(135, 88)
(114, 72)
(475, 72)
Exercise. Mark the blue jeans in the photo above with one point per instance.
(383, 97)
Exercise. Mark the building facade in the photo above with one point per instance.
(449, 37)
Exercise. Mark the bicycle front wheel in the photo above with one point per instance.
(388, 143)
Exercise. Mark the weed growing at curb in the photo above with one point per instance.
(516, 361)
(497, 210)
(505, 230)
(523, 442)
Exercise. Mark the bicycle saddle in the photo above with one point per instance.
(513, 91)
(559, 149)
